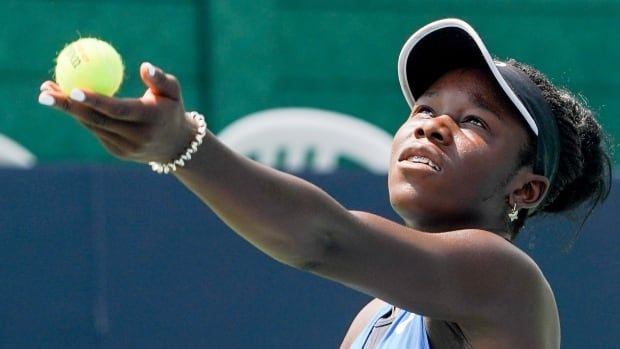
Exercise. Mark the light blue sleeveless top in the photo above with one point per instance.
(407, 331)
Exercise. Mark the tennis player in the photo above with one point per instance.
(487, 144)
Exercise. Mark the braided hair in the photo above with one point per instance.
(584, 171)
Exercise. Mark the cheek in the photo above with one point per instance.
(486, 165)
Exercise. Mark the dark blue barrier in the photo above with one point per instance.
(118, 257)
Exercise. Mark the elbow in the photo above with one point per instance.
(326, 243)
(324, 250)
(310, 266)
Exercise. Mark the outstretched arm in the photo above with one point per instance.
(286, 217)
(297, 223)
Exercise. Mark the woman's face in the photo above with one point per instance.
(453, 157)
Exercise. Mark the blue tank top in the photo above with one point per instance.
(407, 331)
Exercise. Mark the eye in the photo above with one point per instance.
(474, 120)
(424, 110)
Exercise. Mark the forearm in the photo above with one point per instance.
(284, 216)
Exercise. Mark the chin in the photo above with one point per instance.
(412, 206)
(406, 203)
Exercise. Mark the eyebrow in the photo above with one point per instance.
(481, 102)
(475, 98)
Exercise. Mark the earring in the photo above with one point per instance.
(514, 214)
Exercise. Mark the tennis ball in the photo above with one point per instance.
(89, 64)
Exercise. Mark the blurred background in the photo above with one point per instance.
(96, 253)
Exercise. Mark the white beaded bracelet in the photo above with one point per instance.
(193, 147)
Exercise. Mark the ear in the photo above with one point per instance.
(527, 189)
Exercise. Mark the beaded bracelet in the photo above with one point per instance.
(193, 147)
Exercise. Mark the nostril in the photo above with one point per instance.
(437, 136)
(419, 133)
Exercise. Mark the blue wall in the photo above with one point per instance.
(117, 257)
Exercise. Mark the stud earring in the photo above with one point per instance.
(514, 214)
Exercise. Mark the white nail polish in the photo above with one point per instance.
(46, 99)
(150, 69)
(78, 95)
(43, 86)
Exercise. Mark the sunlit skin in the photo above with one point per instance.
(474, 136)
(451, 262)
(467, 129)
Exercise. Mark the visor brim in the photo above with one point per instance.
(442, 46)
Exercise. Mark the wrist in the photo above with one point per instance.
(200, 129)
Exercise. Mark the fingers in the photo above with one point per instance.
(50, 86)
(126, 109)
(138, 129)
(116, 136)
(90, 117)
(159, 82)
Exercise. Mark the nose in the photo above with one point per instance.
(436, 130)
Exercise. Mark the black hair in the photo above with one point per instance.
(584, 175)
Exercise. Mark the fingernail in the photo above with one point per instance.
(46, 99)
(43, 86)
(150, 69)
(78, 95)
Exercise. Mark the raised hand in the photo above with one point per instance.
(153, 127)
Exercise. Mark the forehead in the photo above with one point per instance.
(480, 87)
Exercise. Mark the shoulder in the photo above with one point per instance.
(520, 305)
(494, 267)
(360, 321)
(467, 275)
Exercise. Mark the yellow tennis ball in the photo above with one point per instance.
(89, 64)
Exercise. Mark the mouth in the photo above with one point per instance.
(419, 159)
(421, 155)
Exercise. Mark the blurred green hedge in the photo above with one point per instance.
(237, 57)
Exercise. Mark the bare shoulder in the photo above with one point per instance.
(523, 309)
(360, 321)
(471, 277)
(515, 275)
(457, 276)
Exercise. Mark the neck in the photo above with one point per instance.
(459, 222)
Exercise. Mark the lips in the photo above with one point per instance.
(420, 154)
(424, 160)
